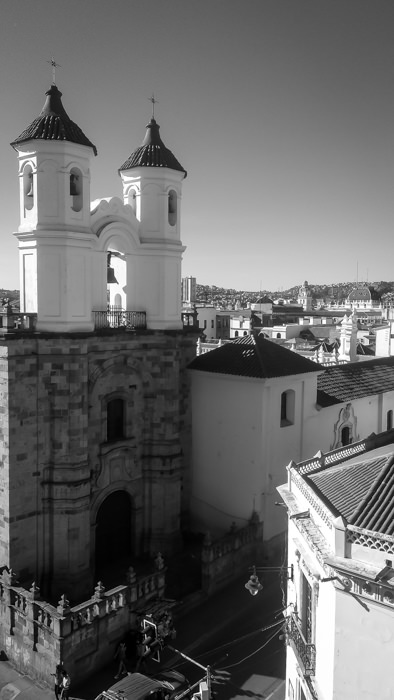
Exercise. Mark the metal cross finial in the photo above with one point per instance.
(54, 66)
(154, 101)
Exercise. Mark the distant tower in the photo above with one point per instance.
(305, 297)
(152, 186)
(54, 233)
(348, 338)
(189, 287)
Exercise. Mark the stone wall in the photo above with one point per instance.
(36, 635)
(225, 559)
(57, 466)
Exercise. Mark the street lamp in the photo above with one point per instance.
(254, 586)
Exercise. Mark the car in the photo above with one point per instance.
(167, 685)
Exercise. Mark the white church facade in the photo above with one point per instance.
(95, 421)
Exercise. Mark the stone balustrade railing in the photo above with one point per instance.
(240, 547)
(15, 321)
(36, 635)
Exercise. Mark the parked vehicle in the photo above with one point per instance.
(167, 685)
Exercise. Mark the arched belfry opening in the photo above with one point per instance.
(116, 280)
(113, 532)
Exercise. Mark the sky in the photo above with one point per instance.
(281, 111)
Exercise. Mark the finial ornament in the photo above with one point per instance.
(154, 101)
(54, 66)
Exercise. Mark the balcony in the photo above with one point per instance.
(305, 652)
(114, 317)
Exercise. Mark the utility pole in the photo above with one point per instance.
(205, 683)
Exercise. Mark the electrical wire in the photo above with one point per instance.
(256, 651)
(239, 639)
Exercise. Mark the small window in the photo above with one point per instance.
(115, 419)
(172, 207)
(346, 438)
(389, 420)
(236, 334)
(287, 408)
(76, 189)
(278, 335)
(212, 324)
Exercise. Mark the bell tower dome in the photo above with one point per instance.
(152, 185)
(54, 231)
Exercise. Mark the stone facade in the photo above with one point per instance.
(72, 494)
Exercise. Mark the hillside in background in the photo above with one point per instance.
(323, 293)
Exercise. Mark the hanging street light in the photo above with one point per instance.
(254, 586)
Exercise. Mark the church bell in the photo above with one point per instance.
(111, 279)
(30, 193)
(73, 185)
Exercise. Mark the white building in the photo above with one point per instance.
(255, 406)
(340, 615)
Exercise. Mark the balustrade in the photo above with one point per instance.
(114, 317)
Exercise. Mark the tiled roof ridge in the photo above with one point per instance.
(54, 124)
(380, 492)
(259, 356)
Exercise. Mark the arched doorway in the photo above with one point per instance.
(113, 533)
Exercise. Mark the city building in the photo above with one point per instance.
(255, 406)
(340, 604)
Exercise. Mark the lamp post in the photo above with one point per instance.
(254, 586)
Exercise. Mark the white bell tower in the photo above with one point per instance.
(54, 233)
(152, 185)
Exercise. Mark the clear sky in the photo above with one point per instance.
(281, 111)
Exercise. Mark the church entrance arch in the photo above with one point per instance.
(113, 532)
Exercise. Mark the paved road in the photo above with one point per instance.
(231, 631)
(227, 631)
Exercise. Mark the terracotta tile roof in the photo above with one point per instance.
(252, 356)
(54, 124)
(355, 380)
(362, 492)
(152, 153)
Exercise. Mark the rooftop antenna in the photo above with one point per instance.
(154, 101)
(54, 66)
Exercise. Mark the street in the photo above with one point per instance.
(231, 631)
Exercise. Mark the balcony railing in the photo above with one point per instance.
(12, 321)
(117, 318)
(305, 652)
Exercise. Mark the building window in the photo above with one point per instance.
(346, 437)
(115, 419)
(212, 323)
(236, 334)
(76, 189)
(287, 407)
(306, 609)
(172, 207)
(389, 420)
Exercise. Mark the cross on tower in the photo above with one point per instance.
(54, 66)
(154, 101)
